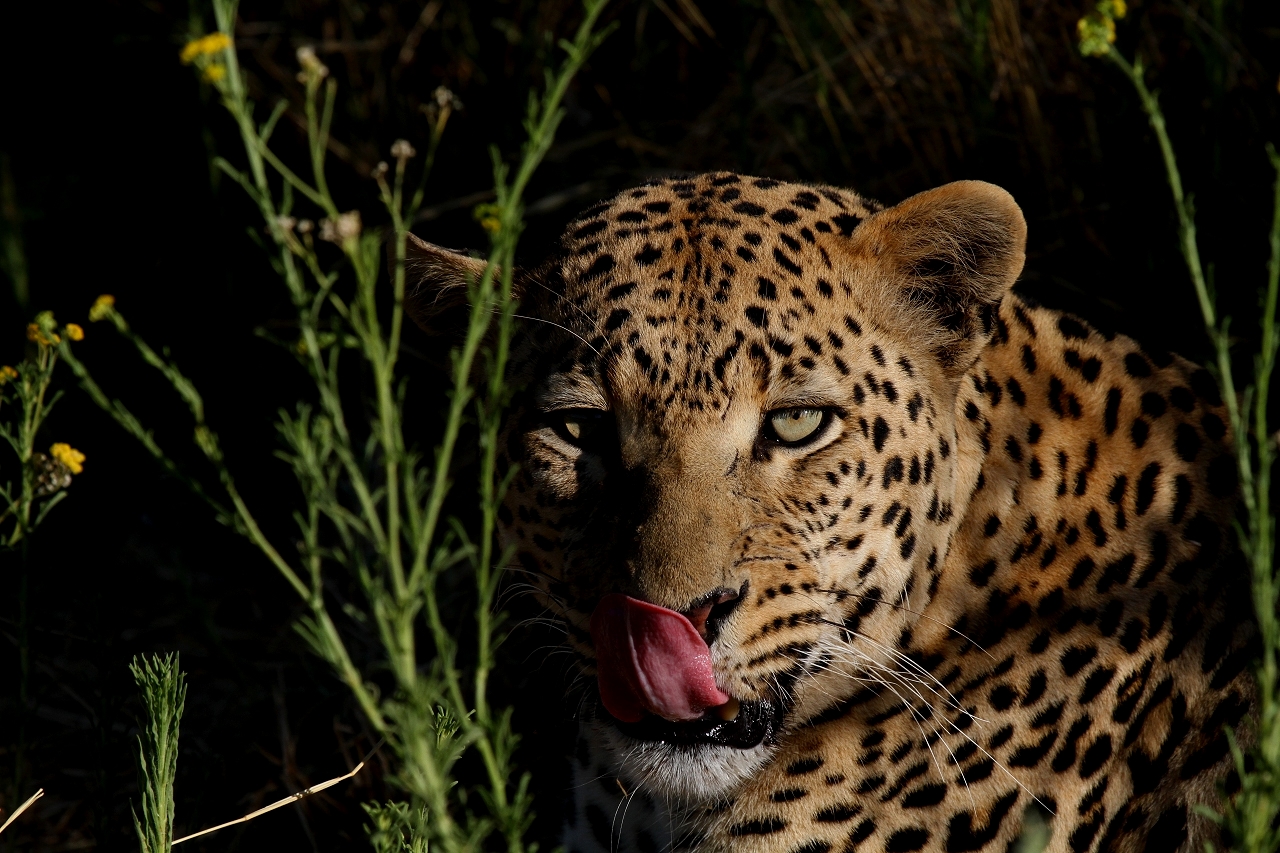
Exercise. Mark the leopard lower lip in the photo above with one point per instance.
(752, 724)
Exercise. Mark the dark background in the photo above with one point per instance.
(105, 148)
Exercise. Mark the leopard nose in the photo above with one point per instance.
(710, 611)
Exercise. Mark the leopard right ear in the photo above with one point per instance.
(940, 263)
(436, 279)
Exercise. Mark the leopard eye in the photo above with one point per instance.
(796, 426)
(576, 426)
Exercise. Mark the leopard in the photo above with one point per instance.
(855, 546)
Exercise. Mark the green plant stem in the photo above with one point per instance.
(164, 692)
(391, 537)
(1253, 814)
(1216, 330)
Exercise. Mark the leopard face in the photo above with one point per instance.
(726, 419)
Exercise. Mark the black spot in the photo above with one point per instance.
(1048, 716)
(1111, 415)
(981, 575)
(619, 290)
(1182, 497)
(1139, 431)
(861, 833)
(1116, 572)
(991, 526)
(616, 318)
(907, 840)
(1082, 838)
(767, 289)
(807, 200)
(1002, 696)
(1095, 756)
(784, 216)
(871, 784)
(1187, 442)
(786, 263)
(599, 268)
(1066, 756)
(760, 826)
(924, 796)
(1153, 404)
(746, 208)
(757, 316)
(879, 433)
(1093, 521)
(804, 765)
(894, 471)
(787, 795)
(846, 223)
(648, 256)
(1095, 683)
(1213, 426)
(1147, 488)
(1075, 658)
(1072, 328)
(1030, 756)
(590, 229)
(1137, 366)
(838, 813)
(1131, 639)
(964, 837)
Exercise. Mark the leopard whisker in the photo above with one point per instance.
(925, 676)
(917, 613)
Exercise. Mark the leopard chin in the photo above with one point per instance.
(688, 774)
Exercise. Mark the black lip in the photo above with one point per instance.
(757, 722)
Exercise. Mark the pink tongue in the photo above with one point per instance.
(649, 658)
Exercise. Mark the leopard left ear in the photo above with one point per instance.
(950, 254)
(436, 279)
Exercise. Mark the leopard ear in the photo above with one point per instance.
(436, 279)
(951, 254)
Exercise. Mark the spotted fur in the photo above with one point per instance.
(1002, 577)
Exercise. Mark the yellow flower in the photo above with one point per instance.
(215, 72)
(7, 374)
(102, 306)
(204, 46)
(74, 332)
(69, 456)
(1097, 33)
(37, 336)
(489, 216)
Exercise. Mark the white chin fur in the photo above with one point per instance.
(691, 775)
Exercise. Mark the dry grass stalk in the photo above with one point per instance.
(22, 808)
(292, 798)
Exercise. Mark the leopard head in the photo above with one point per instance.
(735, 443)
